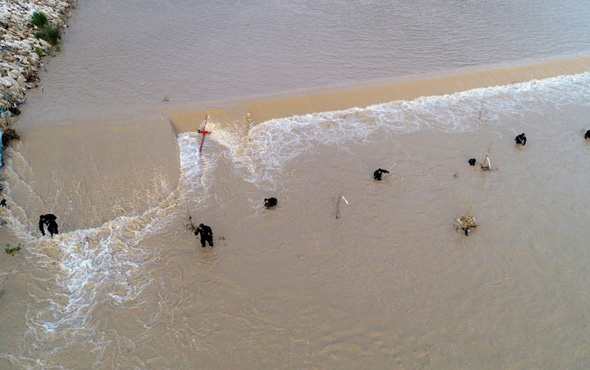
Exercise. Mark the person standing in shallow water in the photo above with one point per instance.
(270, 202)
(520, 139)
(48, 220)
(206, 235)
(377, 174)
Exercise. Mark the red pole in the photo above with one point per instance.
(204, 133)
(203, 139)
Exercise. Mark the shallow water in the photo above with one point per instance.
(389, 283)
(131, 55)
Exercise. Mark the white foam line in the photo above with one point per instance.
(98, 264)
(272, 144)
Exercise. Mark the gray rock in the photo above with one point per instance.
(5, 82)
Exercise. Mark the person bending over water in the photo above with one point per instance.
(270, 202)
(206, 235)
(48, 220)
(377, 174)
(520, 139)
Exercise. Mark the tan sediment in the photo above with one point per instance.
(264, 108)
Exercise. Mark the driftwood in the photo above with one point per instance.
(190, 225)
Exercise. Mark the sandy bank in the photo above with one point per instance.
(260, 109)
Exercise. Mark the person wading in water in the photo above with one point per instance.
(520, 139)
(206, 235)
(377, 174)
(48, 220)
(270, 202)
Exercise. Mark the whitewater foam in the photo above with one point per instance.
(268, 147)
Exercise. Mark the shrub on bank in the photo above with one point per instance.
(49, 34)
(39, 19)
(46, 32)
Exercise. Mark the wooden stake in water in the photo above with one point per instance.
(340, 196)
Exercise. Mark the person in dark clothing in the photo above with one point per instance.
(3, 202)
(472, 161)
(48, 220)
(206, 235)
(377, 174)
(520, 139)
(270, 202)
(587, 136)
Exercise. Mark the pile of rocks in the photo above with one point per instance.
(19, 57)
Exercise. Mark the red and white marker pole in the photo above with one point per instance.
(204, 133)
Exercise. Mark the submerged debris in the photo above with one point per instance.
(190, 226)
(8, 135)
(466, 223)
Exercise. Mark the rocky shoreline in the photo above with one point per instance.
(21, 53)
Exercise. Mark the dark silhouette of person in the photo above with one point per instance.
(206, 235)
(270, 202)
(3, 202)
(48, 220)
(471, 162)
(520, 139)
(587, 136)
(377, 174)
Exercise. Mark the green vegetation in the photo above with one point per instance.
(46, 32)
(49, 34)
(39, 19)
(39, 51)
(12, 251)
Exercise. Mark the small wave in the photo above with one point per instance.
(94, 268)
(269, 146)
